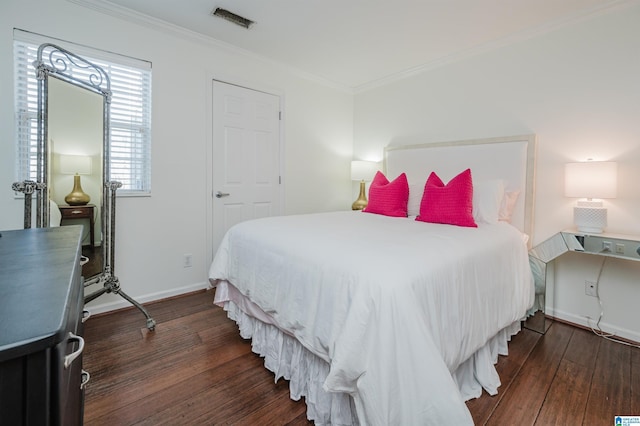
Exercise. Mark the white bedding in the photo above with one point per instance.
(393, 306)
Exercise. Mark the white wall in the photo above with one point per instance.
(154, 232)
(578, 89)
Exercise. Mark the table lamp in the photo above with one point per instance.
(76, 165)
(590, 181)
(362, 171)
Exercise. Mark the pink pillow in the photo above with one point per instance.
(388, 198)
(451, 203)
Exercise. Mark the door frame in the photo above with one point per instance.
(210, 250)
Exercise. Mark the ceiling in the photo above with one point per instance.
(363, 43)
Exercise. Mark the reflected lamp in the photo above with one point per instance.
(590, 181)
(362, 171)
(76, 165)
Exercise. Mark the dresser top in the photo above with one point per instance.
(37, 268)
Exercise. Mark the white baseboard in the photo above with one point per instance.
(582, 321)
(122, 303)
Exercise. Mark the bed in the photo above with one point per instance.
(376, 319)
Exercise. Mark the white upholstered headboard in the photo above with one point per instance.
(509, 158)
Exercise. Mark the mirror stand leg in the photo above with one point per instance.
(151, 324)
(112, 285)
(27, 211)
(95, 294)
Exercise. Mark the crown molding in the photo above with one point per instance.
(120, 12)
(496, 44)
(107, 8)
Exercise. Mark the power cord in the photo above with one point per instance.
(599, 331)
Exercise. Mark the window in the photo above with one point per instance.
(130, 120)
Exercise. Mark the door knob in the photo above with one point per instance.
(221, 194)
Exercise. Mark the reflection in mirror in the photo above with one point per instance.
(75, 124)
(536, 320)
(540, 260)
(576, 242)
(73, 164)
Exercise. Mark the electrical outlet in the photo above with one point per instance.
(591, 288)
(186, 262)
(619, 248)
(606, 246)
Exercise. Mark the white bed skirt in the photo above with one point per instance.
(287, 358)
(306, 372)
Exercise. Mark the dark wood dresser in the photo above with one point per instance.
(41, 304)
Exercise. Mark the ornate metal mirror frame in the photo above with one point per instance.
(57, 62)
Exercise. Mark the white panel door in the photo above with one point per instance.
(246, 156)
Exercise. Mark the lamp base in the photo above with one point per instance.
(361, 202)
(590, 220)
(77, 196)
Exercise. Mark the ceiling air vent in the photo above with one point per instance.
(232, 17)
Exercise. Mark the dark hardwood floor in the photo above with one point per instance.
(195, 369)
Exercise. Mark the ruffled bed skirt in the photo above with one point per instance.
(306, 372)
(478, 371)
(287, 358)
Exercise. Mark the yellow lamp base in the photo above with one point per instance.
(361, 202)
(77, 196)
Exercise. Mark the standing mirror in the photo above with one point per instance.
(74, 179)
(73, 184)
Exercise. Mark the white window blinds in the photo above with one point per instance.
(130, 121)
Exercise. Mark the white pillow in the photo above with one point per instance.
(508, 205)
(415, 198)
(487, 199)
(55, 217)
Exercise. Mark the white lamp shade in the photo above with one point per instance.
(591, 179)
(72, 164)
(363, 170)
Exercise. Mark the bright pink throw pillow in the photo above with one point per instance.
(451, 203)
(388, 198)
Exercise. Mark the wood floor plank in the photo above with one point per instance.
(610, 392)
(583, 348)
(213, 403)
(276, 412)
(165, 403)
(254, 411)
(566, 400)
(191, 325)
(522, 403)
(135, 375)
(567, 397)
(120, 390)
(301, 420)
(169, 338)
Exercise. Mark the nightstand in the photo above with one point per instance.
(605, 244)
(81, 212)
(542, 256)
